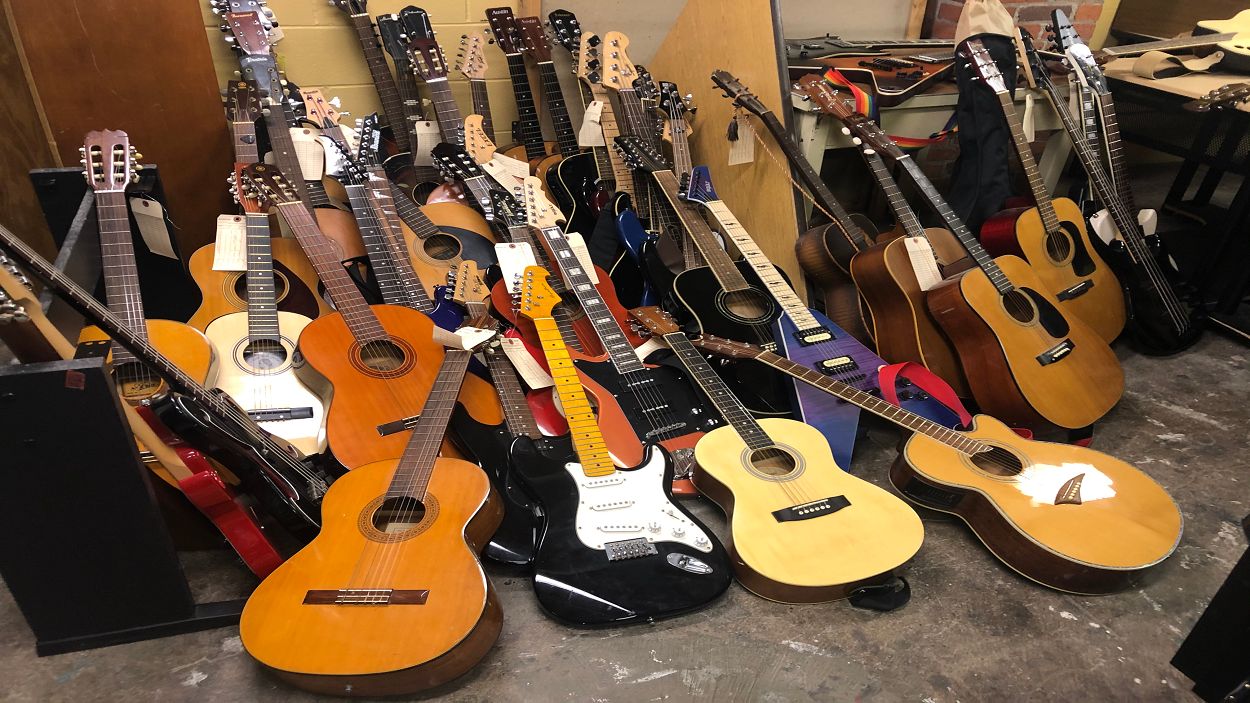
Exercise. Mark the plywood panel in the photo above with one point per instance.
(141, 66)
(737, 37)
(25, 146)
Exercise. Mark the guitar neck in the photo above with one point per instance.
(416, 467)
(592, 452)
(409, 95)
(1167, 44)
(450, 121)
(612, 168)
(481, 105)
(566, 138)
(262, 300)
(716, 390)
(902, 210)
(243, 135)
(380, 72)
(380, 260)
(117, 253)
(394, 246)
(516, 411)
(277, 126)
(531, 133)
(701, 235)
(1105, 105)
(679, 133)
(411, 214)
(1024, 151)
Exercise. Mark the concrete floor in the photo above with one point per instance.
(973, 631)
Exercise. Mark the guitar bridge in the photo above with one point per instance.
(814, 509)
(394, 426)
(1076, 291)
(813, 335)
(629, 549)
(275, 414)
(1056, 353)
(367, 596)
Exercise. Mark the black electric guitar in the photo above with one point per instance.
(614, 547)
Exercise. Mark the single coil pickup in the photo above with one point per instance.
(814, 335)
(367, 596)
(603, 482)
(1056, 353)
(275, 414)
(814, 509)
(614, 505)
(619, 529)
(1076, 291)
(629, 549)
(398, 426)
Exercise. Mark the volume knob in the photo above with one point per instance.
(653, 526)
(679, 531)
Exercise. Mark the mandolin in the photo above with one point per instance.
(390, 597)
(802, 530)
(1064, 516)
(1025, 360)
(613, 548)
(1050, 235)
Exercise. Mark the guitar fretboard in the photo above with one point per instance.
(121, 276)
(1041, 196)
(531, 133)
(516, 410)
(566, 138)
(481, 105)
(416, 466)
(262, 300)
(898, 203)
(450, 121)
(718, 260)
(1105, 105)
(380, 72)
(394, 245)
(714, 387)
(592, 452)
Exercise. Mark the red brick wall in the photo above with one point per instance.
(1033, 15)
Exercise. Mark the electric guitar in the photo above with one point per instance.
(892, 76)
(1051, 235)
(1025, 359)
(1062, 515)
(472, 64)
(803, 530)
(390, 597)
(614, 548)
(1232, 36)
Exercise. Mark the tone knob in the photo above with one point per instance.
(653, 526)
(679, 531)
(701, 541)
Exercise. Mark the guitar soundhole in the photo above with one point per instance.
(280, 286)
(1019, 306)
(773, 461)
(136, 381)
(746, 305)
(998, 462)
(382, 356)
(1058, 246)
(398, 515)
(264, 354)
(441, 246)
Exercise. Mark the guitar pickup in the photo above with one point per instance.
(837, 365)
(814, 335)
(1076, 291)
(275, 414)
(814, 509)
(629, 549)
(1056, 352)
(398, 426)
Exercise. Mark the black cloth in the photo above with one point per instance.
(981, 182)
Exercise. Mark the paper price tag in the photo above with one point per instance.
(513, 258)
(312, 156)
(427, 136)
(1030, 131)
(526, 365)
(742, 149)
(578, 245)
(230, 250)
(591, 132)
(500, 166)
(150, 217)
(923, 262)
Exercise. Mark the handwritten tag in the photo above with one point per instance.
(742, 149)
(923, 262)
(513, 168)
(230, 251)
(428, 137)
(526, 365)
(513, 258)
(150, 217)
(578, 245)
(312, 157)
(591, 132)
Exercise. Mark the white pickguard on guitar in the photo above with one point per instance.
(632, 505)
(1106, 230)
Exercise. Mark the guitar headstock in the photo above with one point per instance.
(319, 109)
(644, 86)
(537, 297)
(454, 162)
(352, 7)
(469, 288)
(533, 39)
(588, 64)
(1220, 98)
(700, 188)
(391, 31)
(242, 101)
(828, 99)
(727, 348)
(1085, 66)
(539, 211)
(504, 26)
(618, 72)
(247, 32)
(640, 155)
(471, 59)
(1036, 68)
(369, 136)
(267, 185)
(109, 162)
(672, 102)
(350, 169)
(242, 193)
(983, 64)
(567, 30)
(656, 321)
(1062, 33)
(476, 141)
(739, 93)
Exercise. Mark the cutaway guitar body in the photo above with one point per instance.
(1062, 515)
(374, 606)
(225, 292)
(572, 183)
(186, 347)
(801, 529)
(463, 235)
(1025, 361)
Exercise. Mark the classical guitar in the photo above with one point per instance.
(1065, 516)
(809, 338)
(1158, 321)
(824, 252)
(472, 64)
(803, 530)
(527, 130)
(380, 359)
(614, 548)
(657, 402)
(390, 597)
(1025, 360)
(225, 291)
(892, 77)
(185, 414)
(1050, 235)
(430, 64)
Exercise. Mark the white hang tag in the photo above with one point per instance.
(1030, 130)
(428, 136)
(230, 250)
(578, 245)
(513, 258)
(472, 337)
(645, 349)
(150, 217)
(742, 149)
(274, 34)
(530, 371)
(515, 168)
(923, 262)
(591, 133)
(312, 156)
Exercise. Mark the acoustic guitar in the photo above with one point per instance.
(1050, 235)
(1232, 36)
(1025, 360)
(802, 530)
(1062, 515)
(390, 597)
(614, 548)
(527, 131)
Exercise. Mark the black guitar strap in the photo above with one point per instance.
(883, 598)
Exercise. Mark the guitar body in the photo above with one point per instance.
(629, 269)
(517, 151)
(1034, 367)
(1236, 52)
(488, 445)
(807, 559)
(1066, 262)
(575, 580)
(1070, 518)
(892, 76)
(463, 235)
(1149, 325)
(451, 619)
(268, 381)
(339, 227)
(825, 254)
(182, 344)
(225, 292)
(572, 182)
(902, 326)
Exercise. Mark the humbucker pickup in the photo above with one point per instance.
(837, 365)
(629, 549)
(1076, 291)
(273, 414)
(814, 509)
(1056, 352)
(813, 335)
